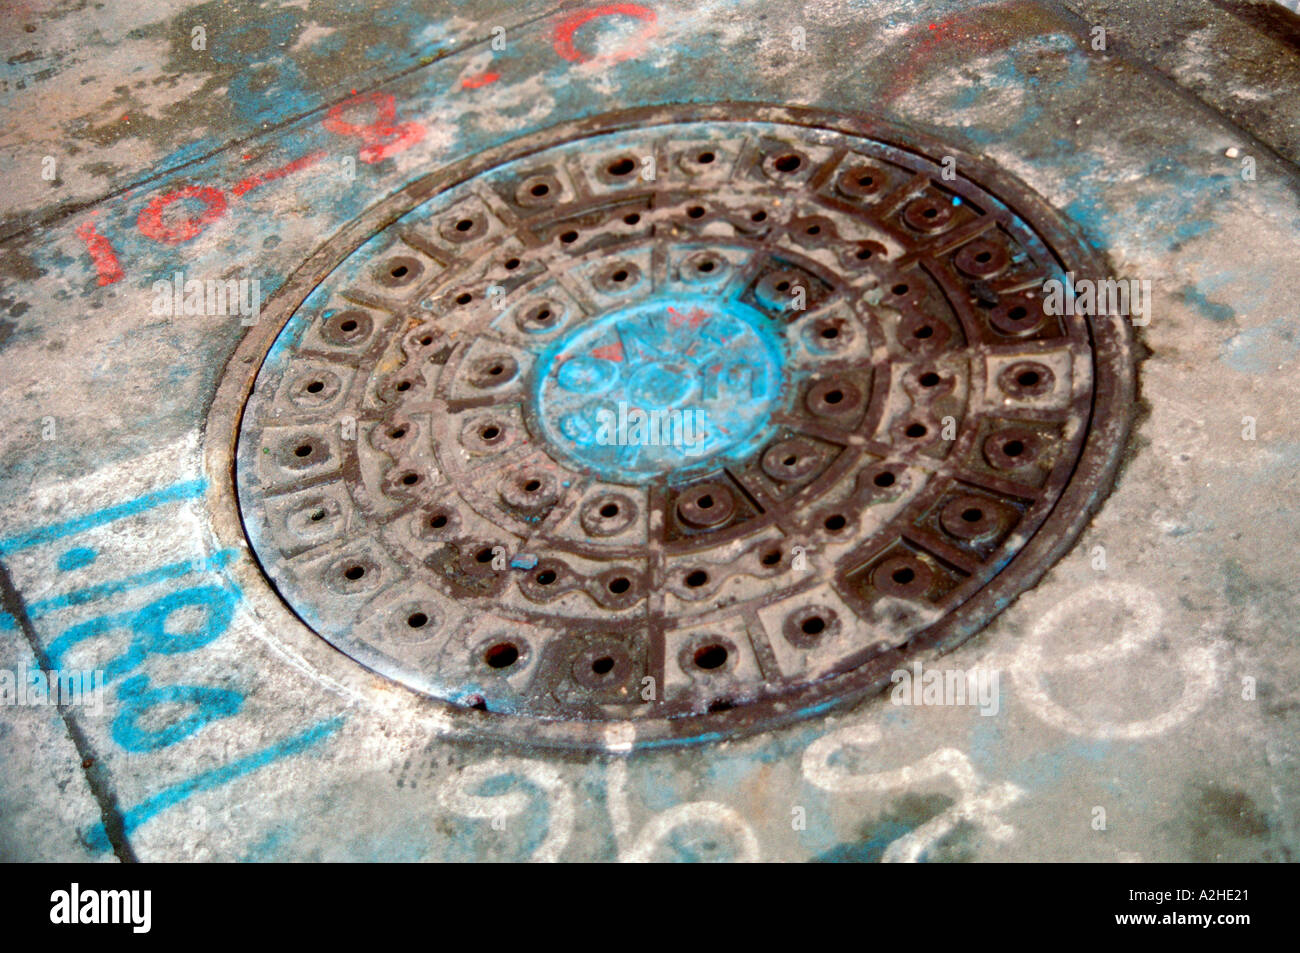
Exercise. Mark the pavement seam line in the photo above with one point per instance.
(96, 776)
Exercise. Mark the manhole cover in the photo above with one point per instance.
(678, 423)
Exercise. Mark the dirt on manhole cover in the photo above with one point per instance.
(678, 423)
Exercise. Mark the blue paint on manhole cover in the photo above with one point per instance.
(666, 386)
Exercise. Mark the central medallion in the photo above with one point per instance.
(665, 386)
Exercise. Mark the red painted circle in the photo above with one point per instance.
(567, 27)
(151, 221)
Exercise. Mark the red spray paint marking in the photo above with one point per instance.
(101, 253)
(566, 28)
(151, 221)
(383, 137)
(302, 162)
(979, 31)
(479, 80)
(610, 352)
(693, 318)
(153, 224)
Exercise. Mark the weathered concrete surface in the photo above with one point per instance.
(1122, 687)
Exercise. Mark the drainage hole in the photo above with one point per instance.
(834, 396)
(484, 555)
(711, 656)
(631, 219)
(697, 578)
(546, 577)
(399, 271)
(438, 522)
(540, 189)
(315, 387)
(972, 515)
(532, 486)
(788, 163)
(609, 510)
(316, 516)
(924, 331)
(354, 572)
(902, 576)
(929, 379)
(835, 523)
(397, 433)
(771, 558)
(1024, 379)
(813, 625)
(695, 211)
(603, 665)
(511, 264)
(501, 655)
(302, 451)
(417, 620)
(623, 166)
(464, 225)
(1013, 448)
(619, 585)
(884, 479)
(704, 158)
(411, 479)
(569, 237)
(489, 433)
(759, 216)
(915, 430)
(899, 289)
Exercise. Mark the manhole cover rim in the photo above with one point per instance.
(1087, 486)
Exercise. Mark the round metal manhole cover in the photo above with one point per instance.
(678, 423)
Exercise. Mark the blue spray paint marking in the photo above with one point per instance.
(199, 705)
(662, 386)
(97, 838)
(48, 534)
(147, 626)
(137, 696)
(103, 590)
(76, 558)
(1196, 297)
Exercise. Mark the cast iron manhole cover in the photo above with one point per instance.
(679, 423)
